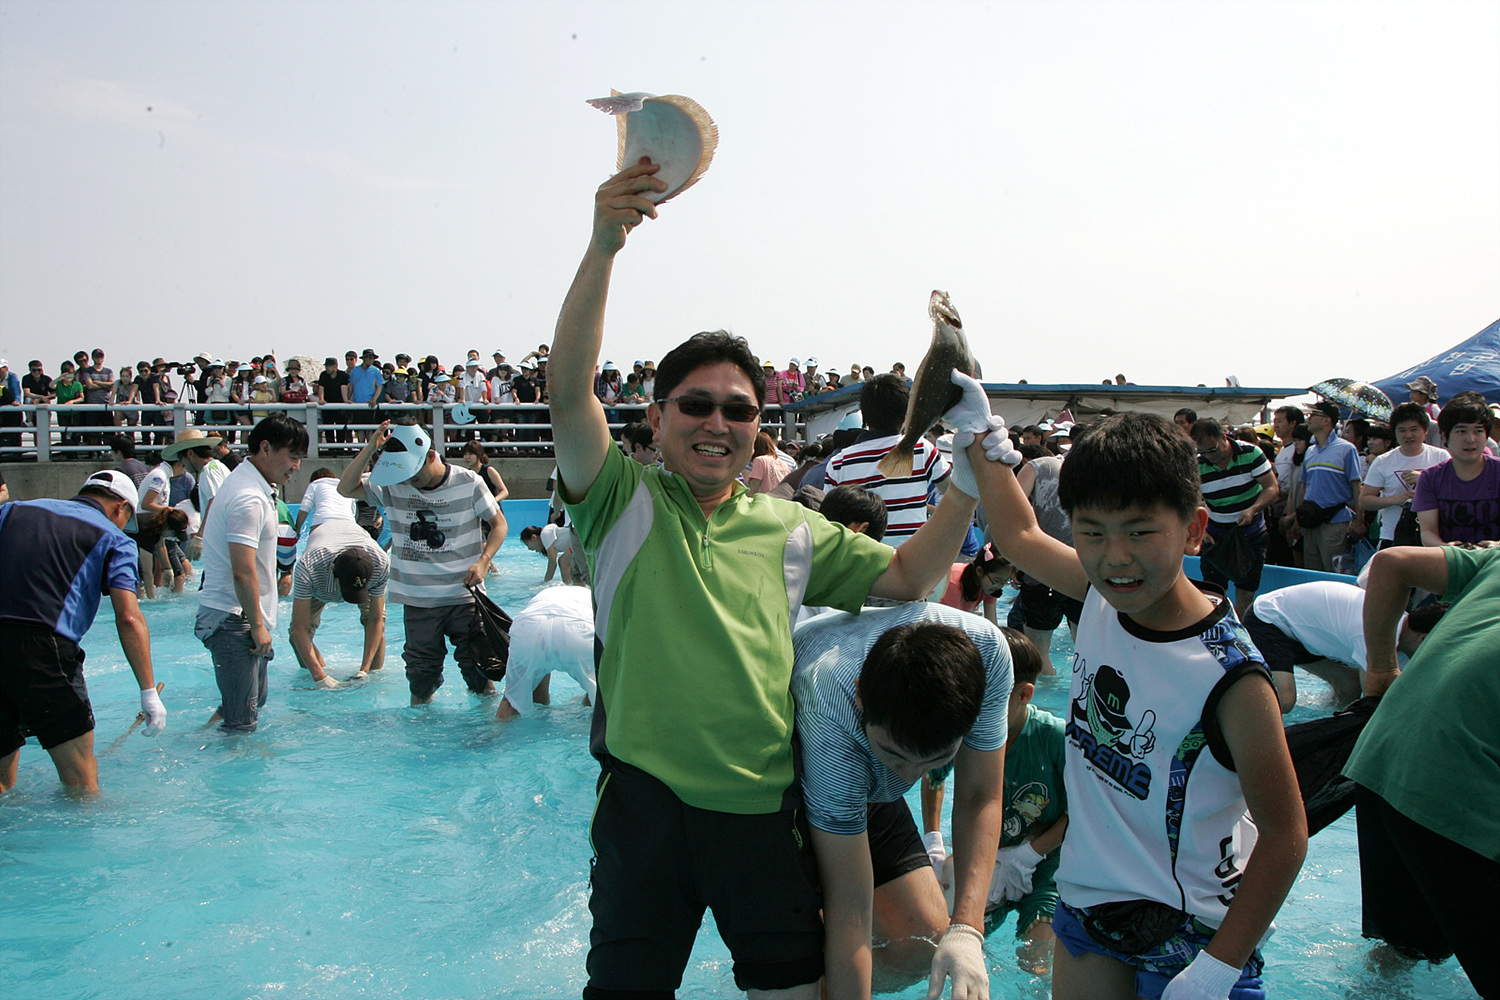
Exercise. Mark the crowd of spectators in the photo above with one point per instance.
(246, 390)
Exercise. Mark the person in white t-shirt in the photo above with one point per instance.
(322, 502)
(1392, 480)
(554, 542)
(237, 606)
(1319, 626)
(555, 631)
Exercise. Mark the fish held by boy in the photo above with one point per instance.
(932, 392)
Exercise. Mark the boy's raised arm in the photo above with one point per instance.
(578, 424)
(1012, 521)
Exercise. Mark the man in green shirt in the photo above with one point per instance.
(1428, 762)
(696, 585)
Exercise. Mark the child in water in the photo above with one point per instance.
(1034, 821)
(1186, 827)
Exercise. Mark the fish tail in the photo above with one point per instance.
(897, 463)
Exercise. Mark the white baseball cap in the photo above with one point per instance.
(402, 456)
(117, 483)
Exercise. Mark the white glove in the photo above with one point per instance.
(194, 549)
(156, 712)
(1206, 978)
(1014, 868)
(937, 851)
(962, 476)
(999, 448)
(361, 675)
(960, 957)
(972, 412)
(328, 683)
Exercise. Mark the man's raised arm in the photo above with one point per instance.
(578, 426)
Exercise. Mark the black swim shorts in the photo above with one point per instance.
(41, 688)
(1043, 608)
(1280, 650)
(896, 847)
(659, 862)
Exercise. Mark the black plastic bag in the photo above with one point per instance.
(489, 638)
(1233, 553)
(1320, 749)
(1408, 527)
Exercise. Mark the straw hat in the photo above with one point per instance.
(188, 439)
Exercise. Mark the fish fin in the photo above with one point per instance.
(706, 128)
(897, 463)
(619, 135)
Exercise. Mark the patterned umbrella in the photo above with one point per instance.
(1356, 395)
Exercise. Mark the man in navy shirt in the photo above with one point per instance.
(63, 556)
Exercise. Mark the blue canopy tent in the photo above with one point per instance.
(1473, 365)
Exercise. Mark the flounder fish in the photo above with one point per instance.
(672, 130)
(932, 392)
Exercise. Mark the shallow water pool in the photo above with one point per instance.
(355, 847)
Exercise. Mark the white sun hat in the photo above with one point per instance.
(402, 456)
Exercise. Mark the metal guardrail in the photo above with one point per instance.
(48, 432)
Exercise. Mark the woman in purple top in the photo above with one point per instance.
(1459, 500)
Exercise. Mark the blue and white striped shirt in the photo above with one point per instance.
(840, 773)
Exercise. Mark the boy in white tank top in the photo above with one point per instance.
(1186, 826)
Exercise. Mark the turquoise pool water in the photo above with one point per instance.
(356, 847)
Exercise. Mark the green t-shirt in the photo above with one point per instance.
(66, 393)
(1432, 748)
(1034, 795)
(694, 618)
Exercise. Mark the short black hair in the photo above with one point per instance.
(1034, 429)
(1425, 618)
(1410, 411)
(848, 505)
(924, 684)
(707, 348)
(1025, 659)
(1187, 412)
(530, 531)
(279, 431)
(882, 402)
(323, 473)
(1208, 427)
(1463, 409)
(1131, 458)
(123, 444)
(637, 435)
(1292, 414)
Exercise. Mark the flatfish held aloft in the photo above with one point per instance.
(672, 130)
(932, 392)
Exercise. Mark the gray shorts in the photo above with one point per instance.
(425, 650)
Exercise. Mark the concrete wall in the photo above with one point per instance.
(526, 478)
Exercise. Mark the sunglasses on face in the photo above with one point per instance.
(701, 406)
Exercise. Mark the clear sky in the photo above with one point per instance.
(1285, 191)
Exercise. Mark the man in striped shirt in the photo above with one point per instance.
(882, 401)
(438, 550)
(1238, 483)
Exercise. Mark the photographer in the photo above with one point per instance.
(438, 548)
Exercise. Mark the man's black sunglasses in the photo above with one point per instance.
(701, 406)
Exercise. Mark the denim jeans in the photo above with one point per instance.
(241, 676)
